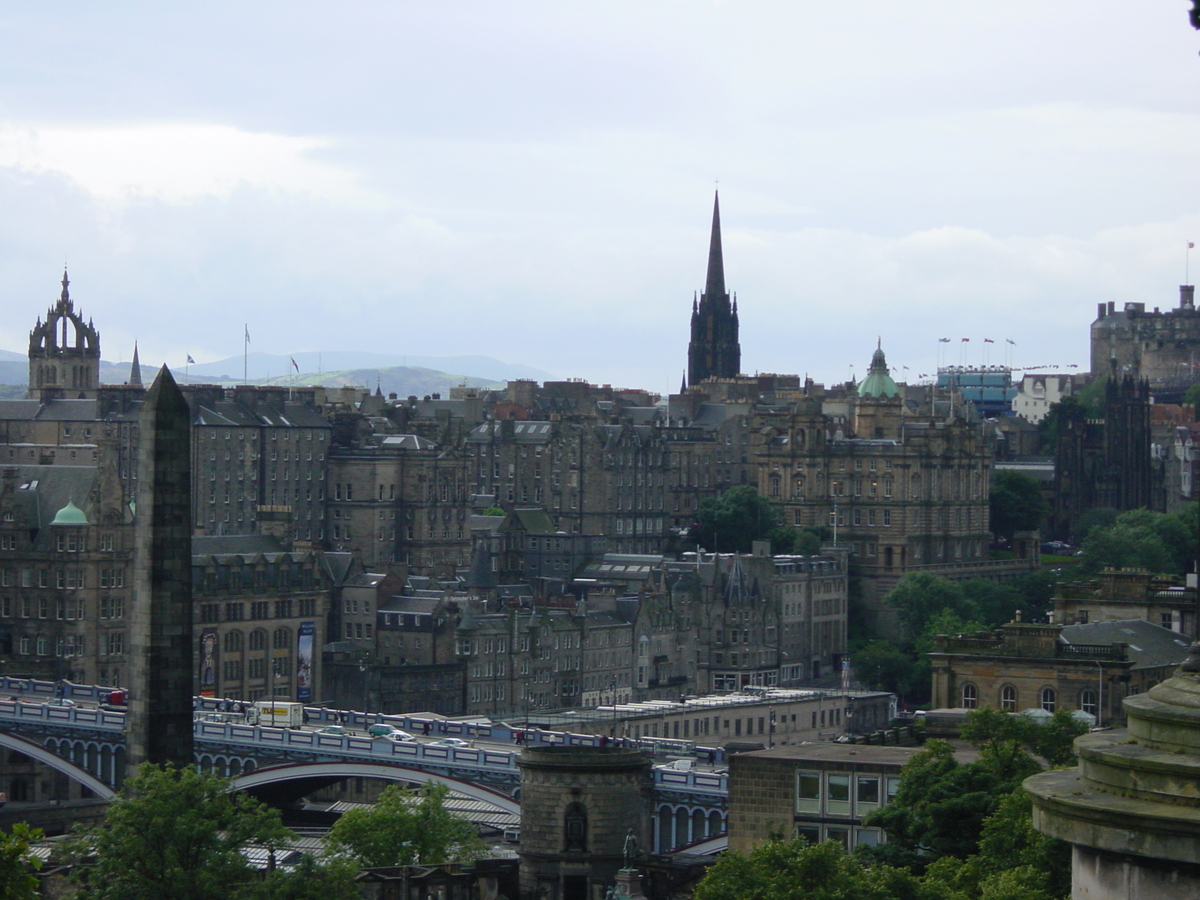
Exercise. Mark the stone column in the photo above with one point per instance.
(159, 722)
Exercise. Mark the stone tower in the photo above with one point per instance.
(64, 353)
(878, 411)
(579, 806)
(161, 648)
(714, 351)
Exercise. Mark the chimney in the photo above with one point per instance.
(1101, 310)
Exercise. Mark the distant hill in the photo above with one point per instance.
(420, 376)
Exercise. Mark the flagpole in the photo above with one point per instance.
(246, 355)
(1187, 254)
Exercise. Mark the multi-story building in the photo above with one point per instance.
(1160, 347)
(1120, 594)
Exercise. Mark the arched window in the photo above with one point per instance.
(970, 696)
(258, 640)
(575, 828)
(233, 641)
(1087, 701)
(1008, 698)
(282, 638)
(1048, 697)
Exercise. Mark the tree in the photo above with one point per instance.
(1158, 542)
(406, 828)
(778, 870)
(733, 521)
(919, 596)
(180, 833)
(1016, 503)
(18, 864)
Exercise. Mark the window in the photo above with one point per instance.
(1087, 701)
(839, 795)
(1048, 697)
(1008, 698)
(970, 696)
(258, 640)
(867, 794)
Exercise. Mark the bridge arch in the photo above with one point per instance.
(46, 757)
(290, 772)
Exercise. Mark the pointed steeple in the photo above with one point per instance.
(715, 285)
(135, 370)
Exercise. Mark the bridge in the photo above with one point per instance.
(282, 765)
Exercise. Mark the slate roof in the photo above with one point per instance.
(235, 544)
(1150, 646)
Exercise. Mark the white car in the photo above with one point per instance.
(449, 742)
(398, 735)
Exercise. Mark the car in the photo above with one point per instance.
(61, 701)
(398, 736)
(381, 729)
(333, 729)
(449, 742)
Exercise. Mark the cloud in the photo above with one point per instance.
(176, 162)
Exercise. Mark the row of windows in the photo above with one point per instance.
(843, 793)
(63, 608)
(1047, 698)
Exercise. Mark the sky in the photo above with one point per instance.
(533, 181)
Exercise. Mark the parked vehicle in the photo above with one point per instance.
(449, 742)
(279, 713)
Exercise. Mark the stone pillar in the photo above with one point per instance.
(579, 807)
(159, 722)
(1131, 809)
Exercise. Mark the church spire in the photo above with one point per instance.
(135, 370)
(715, 286)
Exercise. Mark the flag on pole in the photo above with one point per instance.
(988, 341)
(247, 334)
(943, 340)
(966, 340)
(191, 362)
(1191, 246)
(294, 366)
(1010, 341)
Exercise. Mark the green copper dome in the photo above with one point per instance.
(878, 384)
(70, 515)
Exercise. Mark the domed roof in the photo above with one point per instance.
(70, 515)
(878, 383)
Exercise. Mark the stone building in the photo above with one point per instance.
(1090, 668)
(1161, 347)
(64, 353)
(1119, 594)
(261, 614)
(584, 817)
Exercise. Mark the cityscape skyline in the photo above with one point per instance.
(468, 182)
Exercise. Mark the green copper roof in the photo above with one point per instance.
(70, 515)
(878, 383)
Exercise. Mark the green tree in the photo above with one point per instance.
(179, 833)
(404, 827)
(780, 870)
(733, 521)
(1140, 538)
(18, 865)
(882, 665)
(1016, 503)
(919, 596)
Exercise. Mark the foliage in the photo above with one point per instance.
(919, 596)
(405, 828)
(179, 833)
(881, 665)
(780, 870)
(733, 521)
(1158, 542)
(1016, 503)
(1096, 517)
(1192, 396)
(998, 733)
(493, 511)
(18, 864)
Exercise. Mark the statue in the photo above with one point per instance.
(631, 848)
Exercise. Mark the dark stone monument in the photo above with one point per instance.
(584, 820)
(159, 724)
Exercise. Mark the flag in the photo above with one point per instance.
(943, 340)
(988, 341)
(1191, 246)
(247, 334)
(966, 340)
(294, 366)
(1010, 341)
(191, 362)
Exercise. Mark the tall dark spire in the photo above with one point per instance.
(715, 285)
(714, 351)
(135, 370)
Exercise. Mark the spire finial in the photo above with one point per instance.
(66, 296)
(715, 285)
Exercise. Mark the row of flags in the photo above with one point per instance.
(985, 340)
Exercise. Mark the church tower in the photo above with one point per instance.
(714, 351)
(64, 353)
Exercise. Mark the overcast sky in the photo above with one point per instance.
(534, 181)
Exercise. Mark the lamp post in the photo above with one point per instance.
(1100, 695)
